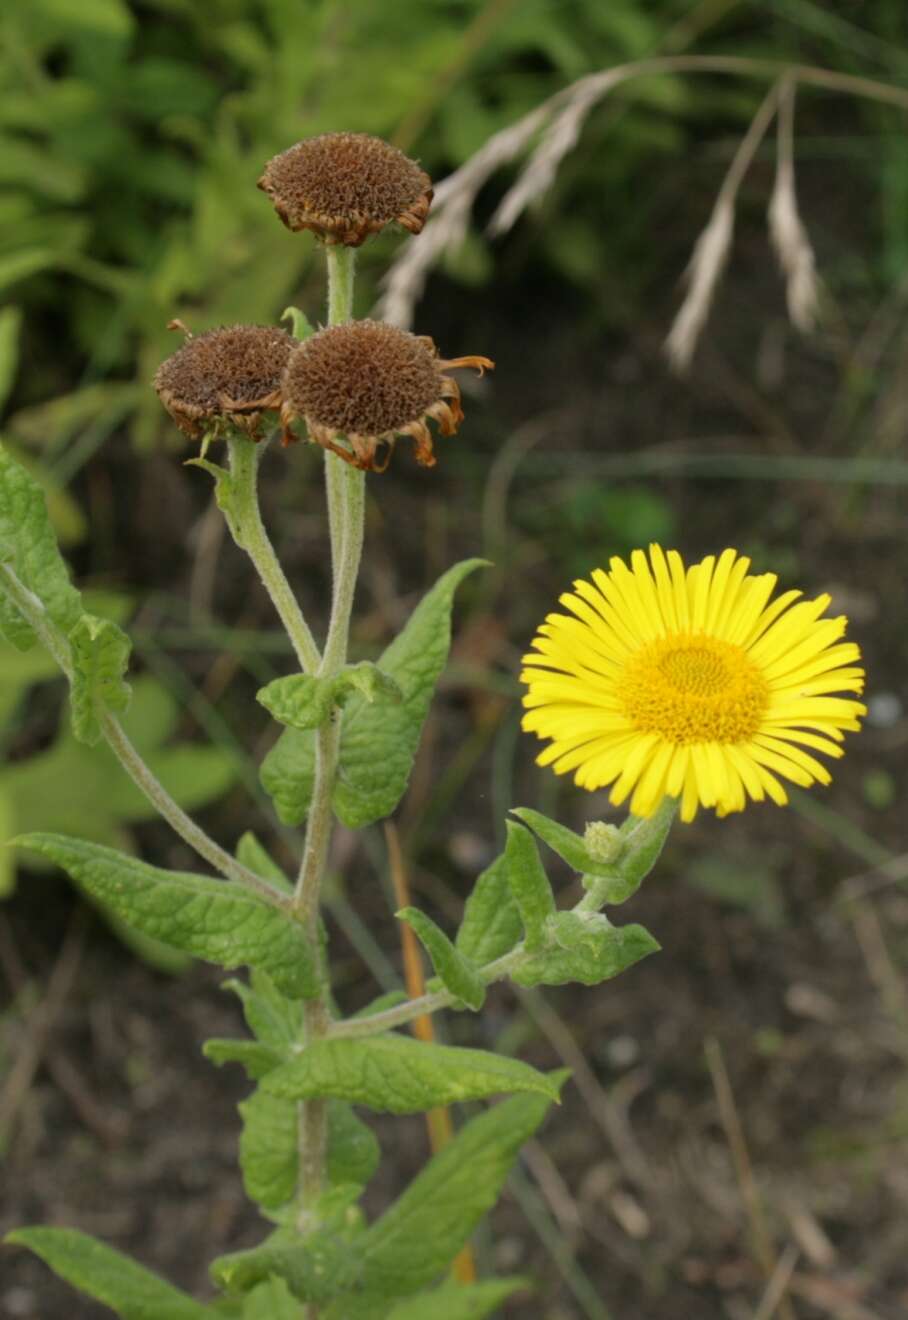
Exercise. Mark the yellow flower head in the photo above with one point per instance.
(666, 682)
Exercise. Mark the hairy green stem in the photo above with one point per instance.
(345, 488)
(53, 639)
(341, 263)
(246, 524)
(375, 1023)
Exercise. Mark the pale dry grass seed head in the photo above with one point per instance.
(786, 229)
(703, 275)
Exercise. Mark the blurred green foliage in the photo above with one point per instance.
(586, 522)
(131, 139)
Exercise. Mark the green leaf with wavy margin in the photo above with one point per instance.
(100, 653)
(305, 701)
(107, 1275)
(317, 1268)
(378, 739)
(596, 955)
(212, 919)
(399, 1075)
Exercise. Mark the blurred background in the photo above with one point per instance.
(740, 1101)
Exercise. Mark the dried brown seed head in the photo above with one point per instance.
(364, 376)
(346, 186)
(232, 373)
(365, 383)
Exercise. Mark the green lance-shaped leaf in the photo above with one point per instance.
(130, 1290)
(491, 923)
(400, 1075)
(100, 654)
(30, 548)
(271, 1300)
(456, 1301)
(212, 919)
(457, 973)
(569, 846)
(256, 1058)
(253, 855)
(379, 738)
(595, 953)
(425, 1228)
(529, 884)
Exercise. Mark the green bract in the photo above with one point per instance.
(456, 973)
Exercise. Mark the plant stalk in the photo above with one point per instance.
(245, 521)
(345, 486)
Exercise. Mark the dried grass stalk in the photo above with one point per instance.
(786, 230)
(447, 225)
(703, 275)
(567, 111)
(561, 137)
(711, 251)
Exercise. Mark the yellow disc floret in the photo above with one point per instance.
(691, 688)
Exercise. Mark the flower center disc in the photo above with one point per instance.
(694, 689)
